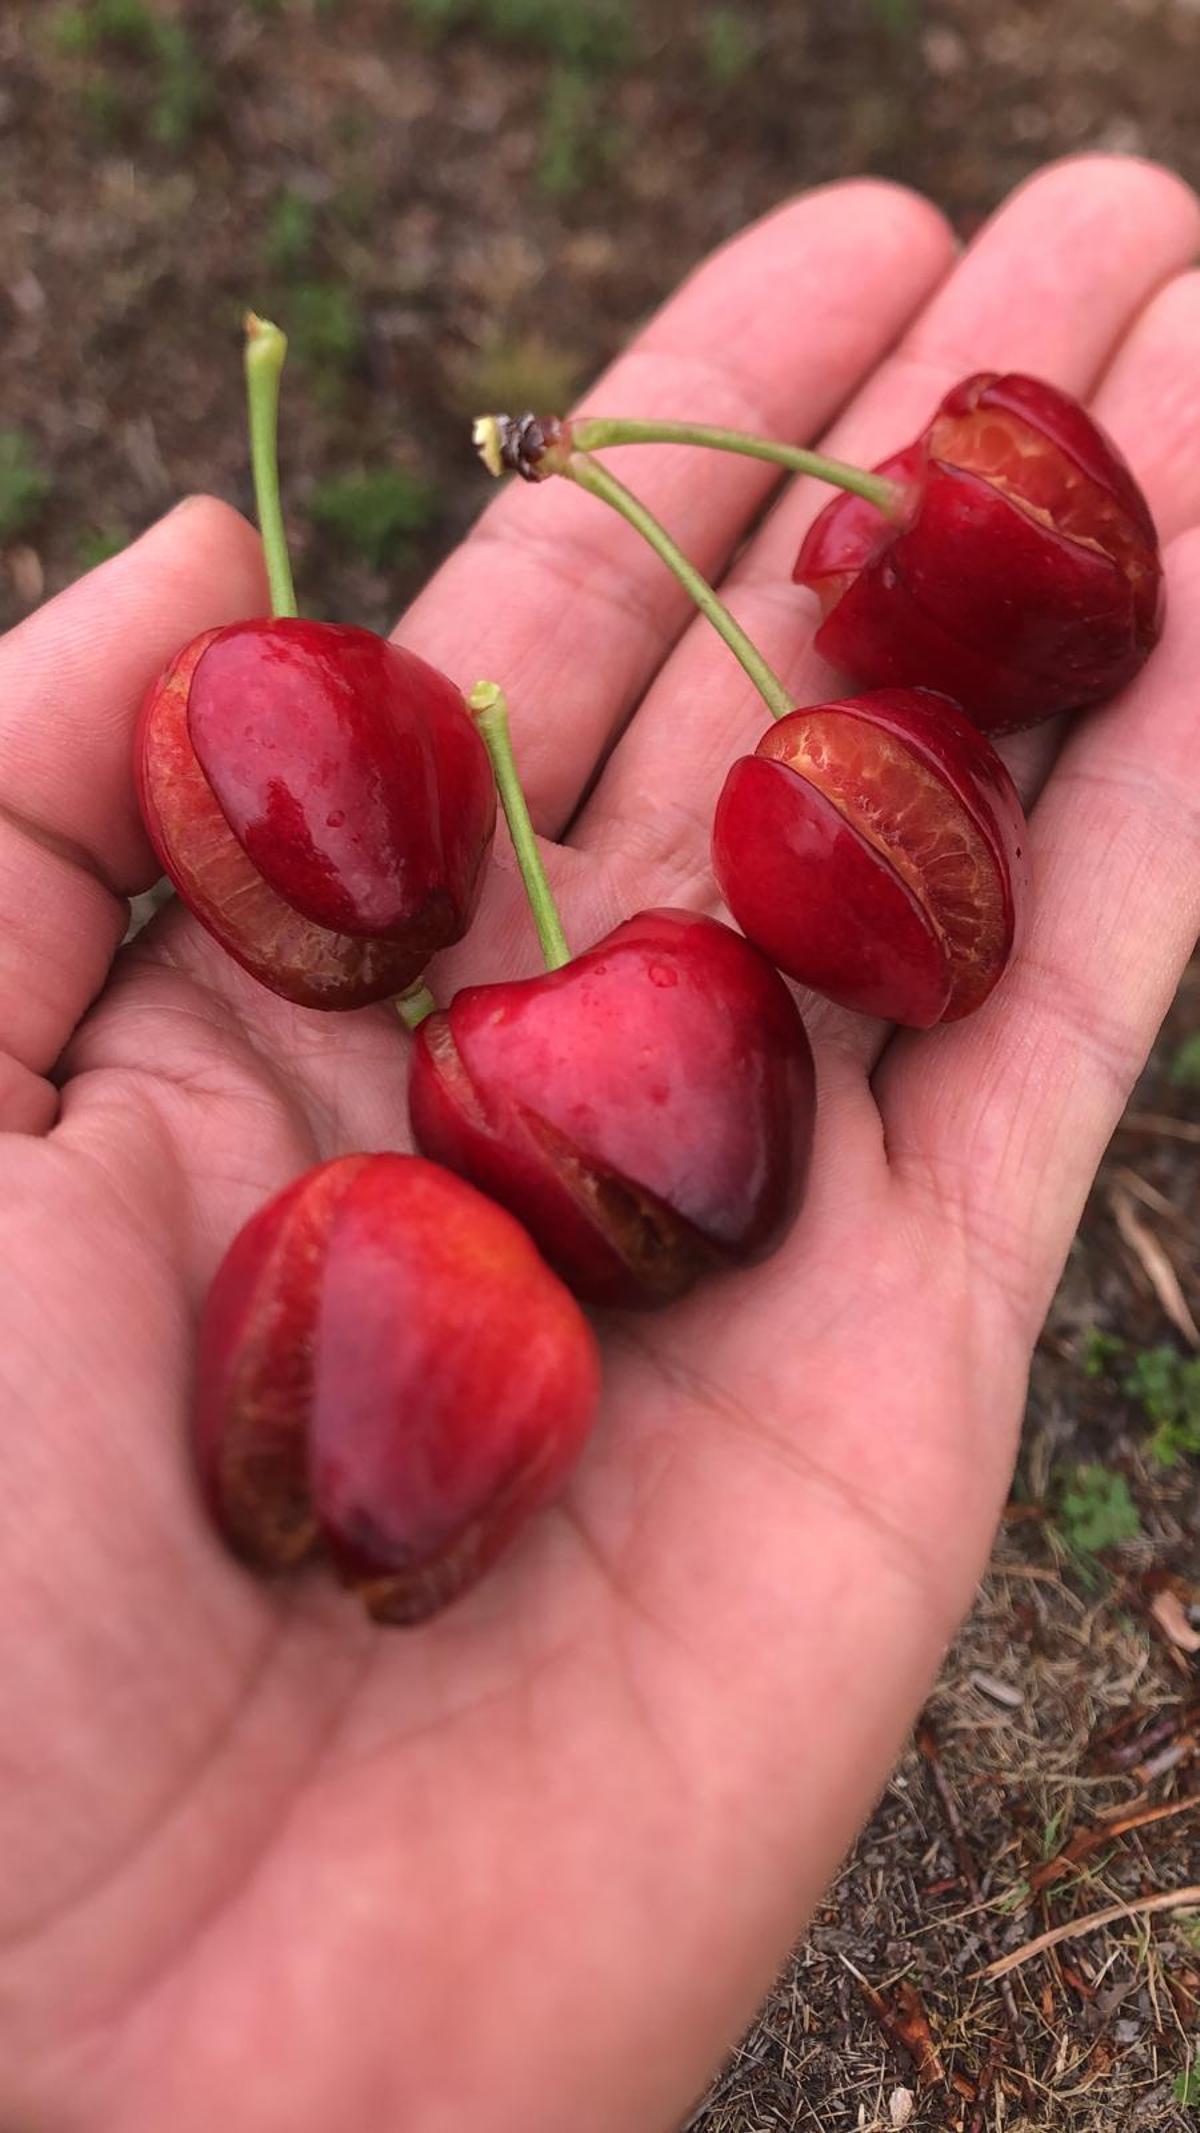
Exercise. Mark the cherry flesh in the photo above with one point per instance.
(322, 802)
(874, 848)
(647, 1110)
(1023, 577)
(389, 1377)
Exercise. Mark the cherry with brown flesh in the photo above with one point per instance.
(319, 797)
(321, 801)
(875, 849)
(646, 1110)
(390, 1379)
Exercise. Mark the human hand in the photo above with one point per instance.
(531, 1866)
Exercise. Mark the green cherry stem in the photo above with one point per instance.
(598, 433)
(413, 1005)
(490, 712)
(266, 351)
(590, 475)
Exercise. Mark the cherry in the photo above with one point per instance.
(320, 800)
(1022, 576)
(389, 1378)
(318, 796)
(874, 849)
(646, 1110)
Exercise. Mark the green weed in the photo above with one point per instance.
(374, 515)
(325, 327)
(24, 484)
(728, 47)
(291, 227)
(1095, 1510)
(99, 544)
(182, 90)
(900, 18)
(589, 34)
(1166, 1385)
(1185, 1066)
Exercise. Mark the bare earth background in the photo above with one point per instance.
(460, 203)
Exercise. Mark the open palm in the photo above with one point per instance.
(266, 1867)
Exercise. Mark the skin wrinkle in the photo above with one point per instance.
(1155, 793)
(1069, 1005)
(730, 1413)
(583, 571)
(77, 856)
(632, 1610)
(161, 1817)
(944, 1182)
(235, 1883)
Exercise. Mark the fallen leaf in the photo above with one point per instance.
(1171, 1616)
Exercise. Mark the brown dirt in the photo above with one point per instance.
(480, 220)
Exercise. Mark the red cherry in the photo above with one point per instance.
(1025, 578)
(873, 848)
(646, 1110)
(390, 1375)
(321, 801)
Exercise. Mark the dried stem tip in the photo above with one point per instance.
(533, 446)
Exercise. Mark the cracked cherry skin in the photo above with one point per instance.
(1023, 577)
(646, 1110)
(322, 802)
(875, 849)
(389, 1378)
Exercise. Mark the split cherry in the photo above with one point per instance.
(1022, 575)
(318, 796)
(390, 1380)
(874, 848)
(646, 1109)
(1007, 558)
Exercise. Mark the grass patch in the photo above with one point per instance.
(181, 91)
(98, 544)
(1185, 1066)
(374, 515)
(326, 331)
(1095, 1510)
(589, 34)
(24, 484)
(728, 47)
(511, 375)
(290, 231)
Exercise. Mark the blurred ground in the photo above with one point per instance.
(455, 203)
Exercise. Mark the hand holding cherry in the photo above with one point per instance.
(262, 1855)
(648, 1112)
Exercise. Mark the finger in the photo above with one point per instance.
(1049, 286)
(1004, 1119)
(1149, 401)
(72, 847)
(564, 606)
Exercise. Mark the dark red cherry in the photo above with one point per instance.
(390, 1377)
(322, 802)
(647, 1110)
(874, 848)
(1023, 577)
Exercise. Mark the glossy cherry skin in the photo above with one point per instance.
(875, 849)
(647, 1111)
(322, 802)
(1023, 577)
(389, 1377)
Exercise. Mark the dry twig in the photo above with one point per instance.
(1141, 1907)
